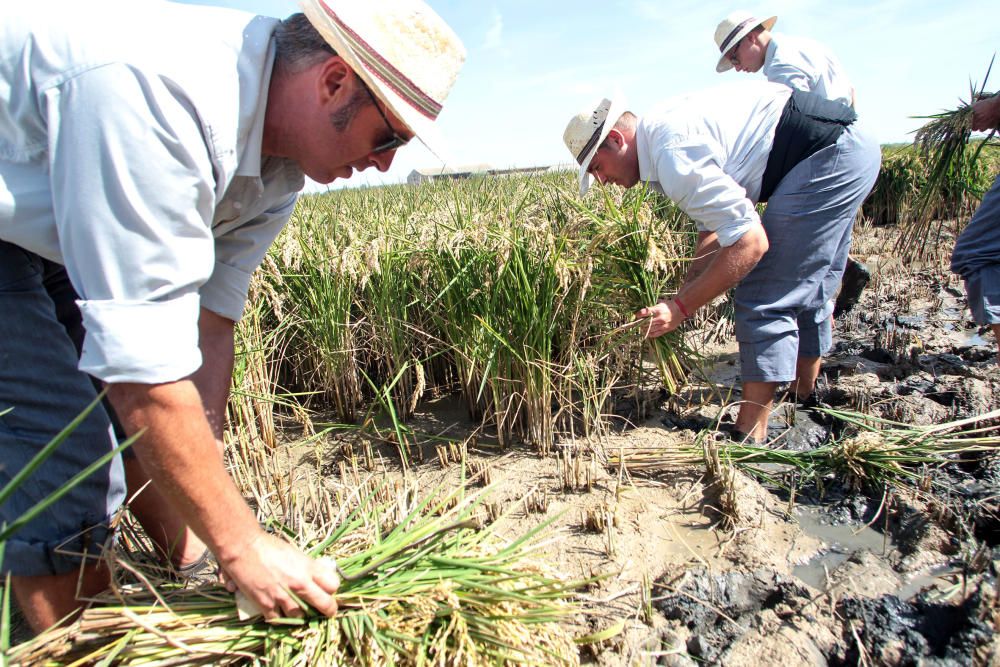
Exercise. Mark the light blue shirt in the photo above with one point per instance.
(802, 63)
(707, 152)
(130, 152)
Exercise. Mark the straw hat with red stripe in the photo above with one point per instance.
(401, 49)
(732, 29)
(587, 130)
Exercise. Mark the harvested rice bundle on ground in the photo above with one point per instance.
(877, 451)
(431, 589)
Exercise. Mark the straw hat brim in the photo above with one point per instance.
(724, 64)
(421, 125)
(615, 110)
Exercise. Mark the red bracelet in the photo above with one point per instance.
(680, 307)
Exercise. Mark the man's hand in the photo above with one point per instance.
(986, 114)
(271, 573)
(664, 317)
(178, 451)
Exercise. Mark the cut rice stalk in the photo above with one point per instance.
(880, 452)
(953, 178)
(430, 590)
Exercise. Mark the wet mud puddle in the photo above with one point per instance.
(864, 545)
(841, 540)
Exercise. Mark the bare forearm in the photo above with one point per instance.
(725, 268)
(213, 379)
(706, 250)
(178, 451)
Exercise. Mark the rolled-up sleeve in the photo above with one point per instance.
(690, 175)
(238, 253)
(133, 193)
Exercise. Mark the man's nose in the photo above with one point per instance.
(383, 161)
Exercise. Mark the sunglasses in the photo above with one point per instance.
(390, 144)
(732, 56)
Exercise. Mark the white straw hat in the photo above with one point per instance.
(732, 29)
(401, 49)
(587, 130)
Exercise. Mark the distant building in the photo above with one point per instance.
(418, 176)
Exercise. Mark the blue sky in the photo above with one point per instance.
(533, 63)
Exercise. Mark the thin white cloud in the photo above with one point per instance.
(494, 34)
(652, 11)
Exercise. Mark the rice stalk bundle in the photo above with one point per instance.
(462, 272)
(524, 317)
(954, 177)
(259, 337)
(642, 261)
(470, 252)
(880, 451)
(430, 590)
(507, 304)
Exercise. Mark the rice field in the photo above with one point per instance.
(896, 198)
(506, 290)
(514, 298)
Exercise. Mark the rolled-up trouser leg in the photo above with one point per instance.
(783, 305)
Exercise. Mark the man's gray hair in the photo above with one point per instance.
(626, 121)
(298, 44)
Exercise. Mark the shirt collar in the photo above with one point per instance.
(250, 158)
(772, 46)
(647, 169)
(252, 164)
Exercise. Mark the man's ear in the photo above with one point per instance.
(617, 138)
(333, 78)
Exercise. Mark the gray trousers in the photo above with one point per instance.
(783, 305)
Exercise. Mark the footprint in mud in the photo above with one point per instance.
(888, 631)
(719, 609)
(762, 617)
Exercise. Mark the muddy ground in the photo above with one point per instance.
(836, 575)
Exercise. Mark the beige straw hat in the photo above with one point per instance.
(588, 129)
(401, 49)
(732, 29)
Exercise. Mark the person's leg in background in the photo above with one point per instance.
(982, 287)
(852, 284)
(976, 257)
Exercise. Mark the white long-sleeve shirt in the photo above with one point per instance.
(807, 65)
(707, 152)
(130, 152)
